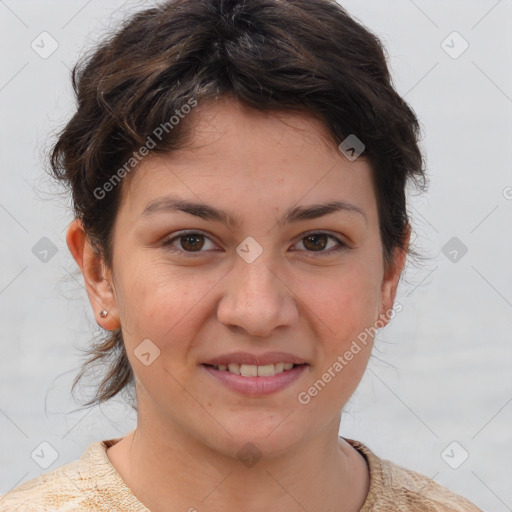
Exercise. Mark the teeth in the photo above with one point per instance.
(234, 368)
(265, 371)
(279, 367)
(251, 370)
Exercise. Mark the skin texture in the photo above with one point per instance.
(197, 305)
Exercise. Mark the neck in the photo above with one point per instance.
(172, 471)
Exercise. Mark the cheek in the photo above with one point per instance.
(164, 305)
(344, 303)
(346, 312)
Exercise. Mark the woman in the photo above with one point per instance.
(238, 174)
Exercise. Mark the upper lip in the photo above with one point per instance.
(255, 359)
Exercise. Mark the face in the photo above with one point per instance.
(193, 285)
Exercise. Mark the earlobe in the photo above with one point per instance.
(99, 289)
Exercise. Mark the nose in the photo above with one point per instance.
(257, 299)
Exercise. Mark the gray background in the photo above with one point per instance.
(440, 371)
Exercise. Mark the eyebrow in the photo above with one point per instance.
(208, 212)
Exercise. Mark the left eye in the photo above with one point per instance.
(193, 242)
(319, 241)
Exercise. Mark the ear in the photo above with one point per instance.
(97, 280)
(391, 279)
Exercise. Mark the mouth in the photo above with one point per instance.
(252, 370)
(256, 380)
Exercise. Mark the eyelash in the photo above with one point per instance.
(341, 247)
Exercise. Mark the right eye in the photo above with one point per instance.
(189, 241)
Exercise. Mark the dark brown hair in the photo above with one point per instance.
(277, 55)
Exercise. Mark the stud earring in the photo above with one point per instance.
(103, 313)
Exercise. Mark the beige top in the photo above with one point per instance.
(91, 483)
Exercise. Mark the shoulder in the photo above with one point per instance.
(393, 487)
(78, 485)
(416, 491)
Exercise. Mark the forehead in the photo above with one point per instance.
(233, 151)
(226, 114)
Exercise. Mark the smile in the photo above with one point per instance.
(255, 380)
(252, 370)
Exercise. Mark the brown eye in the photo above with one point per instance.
(192, 242)
(188, 243)
(316, 242)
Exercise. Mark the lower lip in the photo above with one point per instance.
(256, 386)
